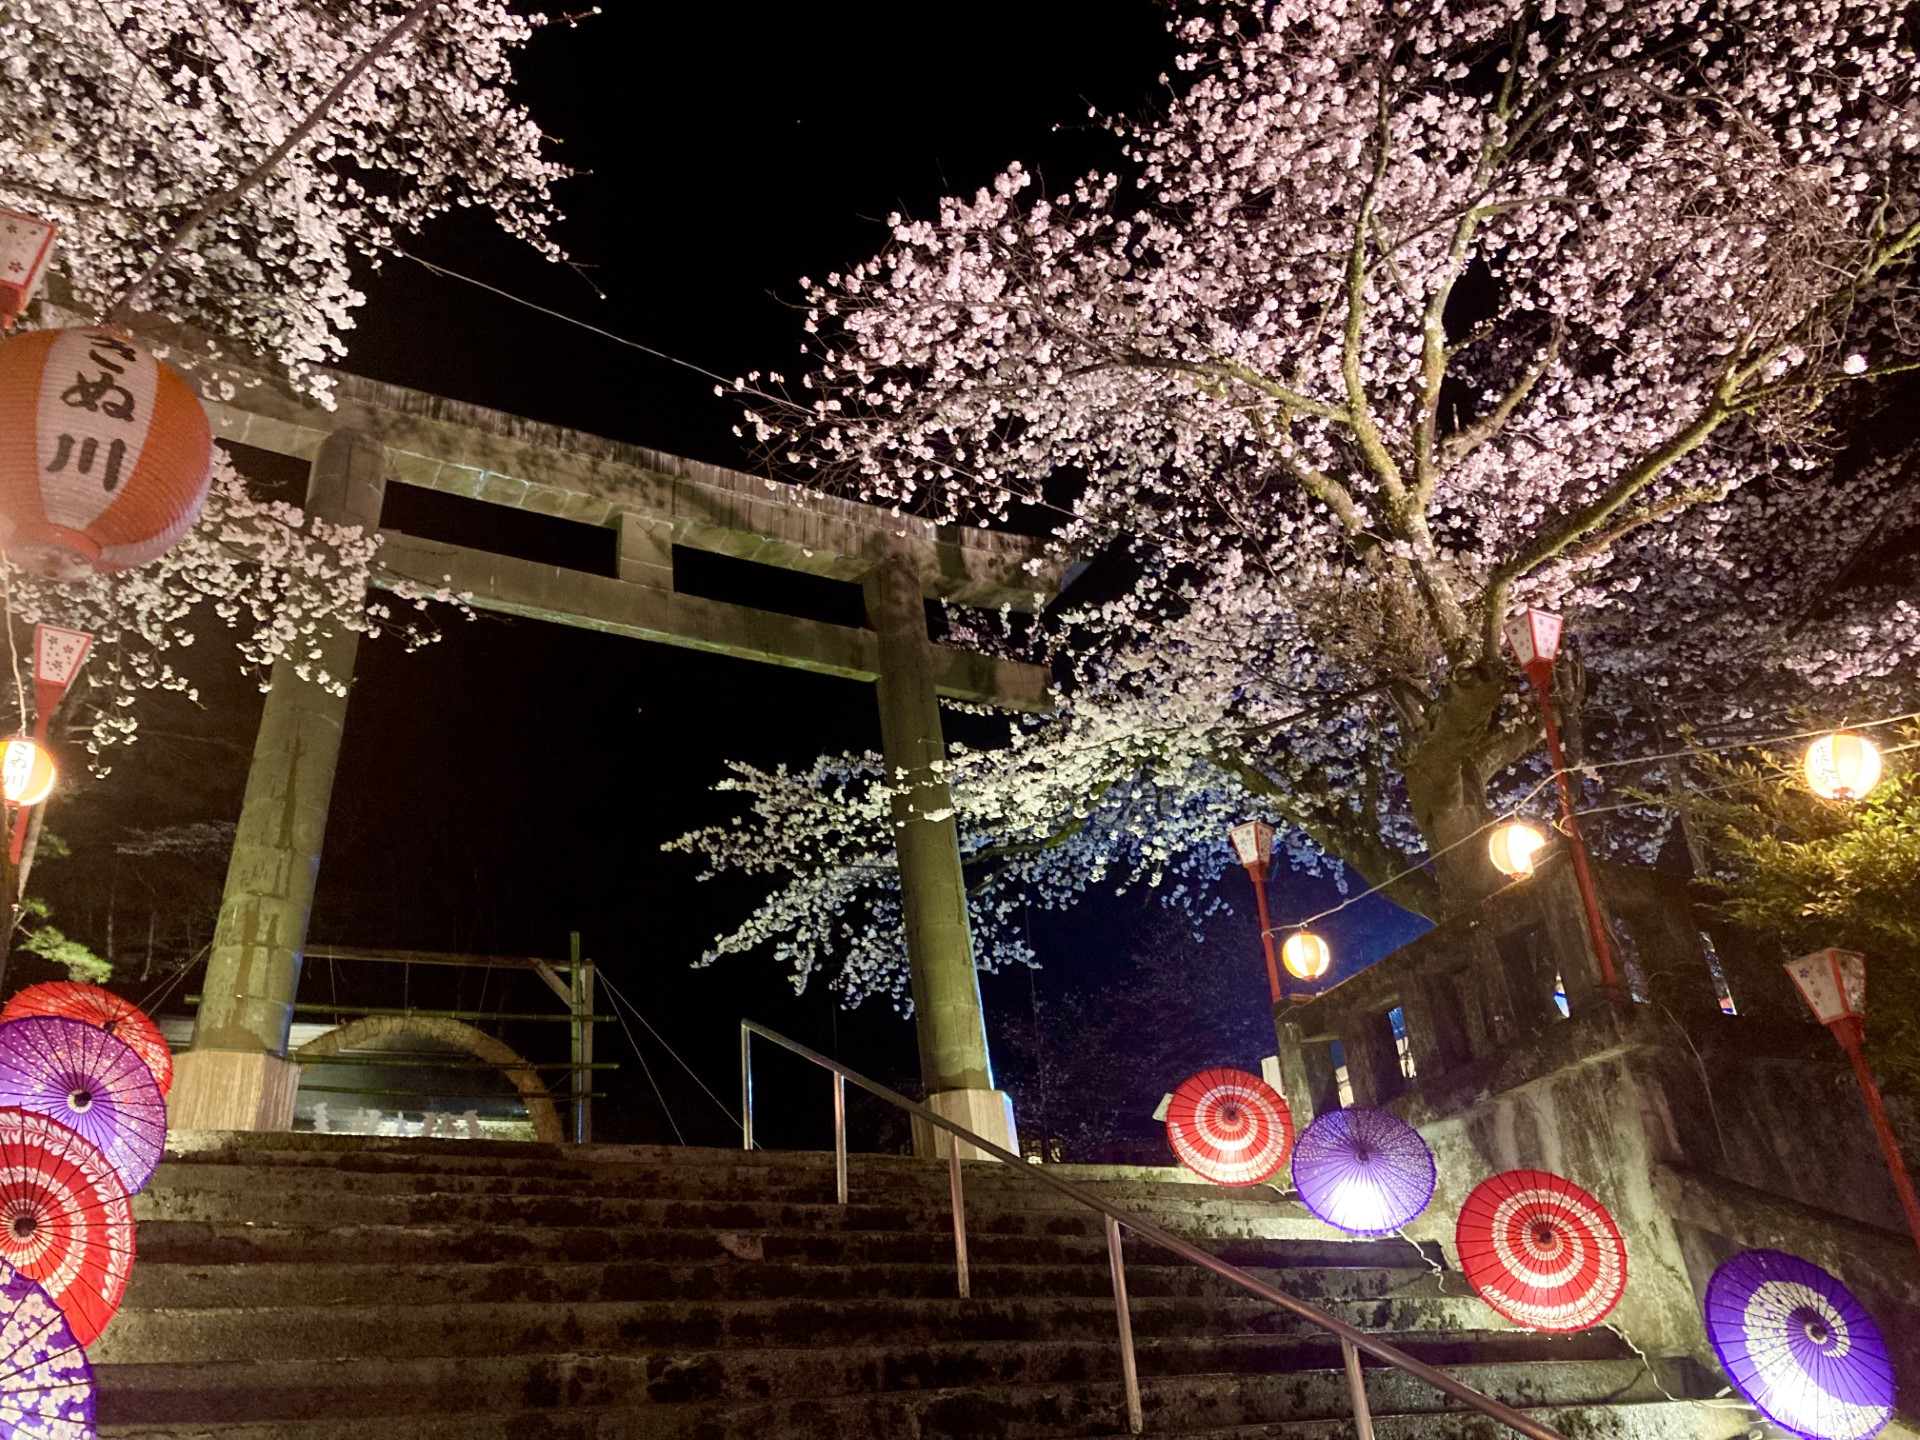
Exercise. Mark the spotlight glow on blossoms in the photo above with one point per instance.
(1513, 847)
(1306, 955)
(26, 771)
(1842, 766)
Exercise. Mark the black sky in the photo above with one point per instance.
(516, 781)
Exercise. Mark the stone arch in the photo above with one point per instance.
(477, 1043)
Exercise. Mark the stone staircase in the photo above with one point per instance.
(303, 1287)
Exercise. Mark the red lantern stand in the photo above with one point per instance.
(1535, 637)
(1834, 985)
(1253, 844)
(58, 654)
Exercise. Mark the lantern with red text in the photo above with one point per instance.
(1842, 766)
(26, 771)
(105, 453)
(25, 244)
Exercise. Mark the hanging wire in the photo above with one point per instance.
(621, 999)
(1516, 810)
(645, 1069)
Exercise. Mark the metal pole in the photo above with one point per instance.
(1357, 1389)
(1582, 873)
(1259, 875)
(1129, 1370)
(840, 1136)
(746, 1088)
(1850, 1036)
(580, 977)
(959, 1218)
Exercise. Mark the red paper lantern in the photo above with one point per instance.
(105, 453)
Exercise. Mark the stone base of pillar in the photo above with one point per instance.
(987, 1113)
(232, 1090)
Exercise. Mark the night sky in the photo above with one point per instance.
(516, 781)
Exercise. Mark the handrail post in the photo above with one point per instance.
(840, 1136)
(746, 1088)
(1129, 1370)
(959, 1218)
(1357, 1389)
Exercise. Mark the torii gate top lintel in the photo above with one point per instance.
(503, 459)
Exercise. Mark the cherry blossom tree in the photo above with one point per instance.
(1401, 316)
(227, 164)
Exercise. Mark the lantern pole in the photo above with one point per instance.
(1258, 872)
(1851, 1034)
(1540, 672)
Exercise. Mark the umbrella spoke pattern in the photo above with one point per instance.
(1229, 1126)
(91, 1082)
(1364, 1171)
(65, 1220)
(46, 1382)
(1541, 1251)
(1800, 1346)
(96, 1006)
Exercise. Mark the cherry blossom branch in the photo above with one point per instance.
(216, 203)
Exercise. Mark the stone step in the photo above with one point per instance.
(186, 1242)
(296, 1206)
(290, 1389)
(407, 1284)
(475, 1328)
(1083, 1408)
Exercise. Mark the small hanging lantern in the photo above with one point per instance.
(1535, 638)
(26, 771)
(1513, 847)
(1306, 955)
(1842, 766)
(105, 453)
(25, 245)
(1833, 983)
(1252, 842)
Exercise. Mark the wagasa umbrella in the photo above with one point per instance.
(65, 1220)
(1229, 1126)
(46, 1382)
(1363, 1170)
(1797, 1344)
(1541, 1251)
(72, 1000)
(90, 1081)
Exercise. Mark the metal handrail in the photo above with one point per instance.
(1352, 1339)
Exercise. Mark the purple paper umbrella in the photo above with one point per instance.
(1799, 1346)
(46, 1384)
(1365, 1171)
(91, 1082)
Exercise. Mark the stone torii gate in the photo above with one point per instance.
(237, 1075)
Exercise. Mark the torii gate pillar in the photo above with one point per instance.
(237, 1076)
(933, 889)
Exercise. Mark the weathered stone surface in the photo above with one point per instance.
(704, 1295)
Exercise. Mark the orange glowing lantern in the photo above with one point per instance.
(105, 453)
(1513, 847)
(26, 771)
(1306, 955)
(1842, 766)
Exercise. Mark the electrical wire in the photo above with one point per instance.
(621, 999)
(645, 1069)
(1516, 809)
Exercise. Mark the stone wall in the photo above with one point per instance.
(1702, 1132)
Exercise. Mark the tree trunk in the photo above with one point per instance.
(1443, 764)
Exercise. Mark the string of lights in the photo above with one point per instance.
(1516, 810)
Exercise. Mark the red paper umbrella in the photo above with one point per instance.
(1230, 1126)
(1541, 1251)
(64, 1218)
(71, 1000)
